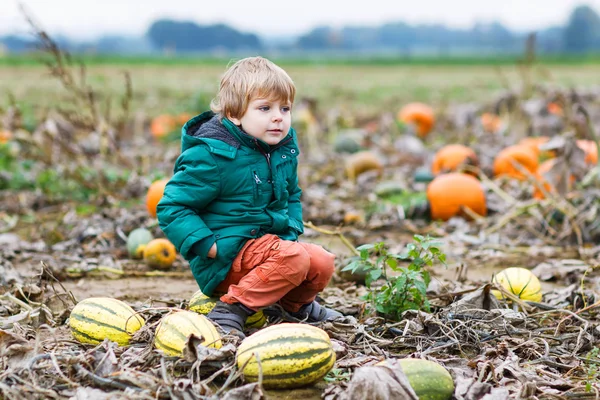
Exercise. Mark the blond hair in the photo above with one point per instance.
(248, 79)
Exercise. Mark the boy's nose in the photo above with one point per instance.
(277, 116)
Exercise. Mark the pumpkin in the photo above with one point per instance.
(504, 163)
(159, 253)
(452, 157)
(519, 281)
(449, 193)
(419, 114)
(591, 151)
(555, 109)
(353, 217)
(154, 194)
(183, 118)
(428, 379)
(161, 125)
(490, 123)
(534, 143)
(361, 162)
(137, 241)
(5, 136)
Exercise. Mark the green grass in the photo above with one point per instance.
(311, 60)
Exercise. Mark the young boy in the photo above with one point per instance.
(232, 208)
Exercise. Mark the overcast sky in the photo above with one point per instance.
(91, 18)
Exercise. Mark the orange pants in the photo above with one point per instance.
(269, 270)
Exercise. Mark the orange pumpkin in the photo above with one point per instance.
(534, 143)
(419, 114)
(451, 157)
(159, 253)
(490, 122)
(591, 151)
(155, 193)
(183, 118)
(555, 108)
(5, 136)
(162, 125)
(449, 193)
(519, 154)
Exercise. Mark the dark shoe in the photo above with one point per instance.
(230, 317)
(314, 312)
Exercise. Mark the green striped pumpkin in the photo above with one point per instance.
(429, 380)
(174, 329)
(97, 318)
(203, 304)
(291, 355)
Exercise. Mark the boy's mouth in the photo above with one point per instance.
(274, 131)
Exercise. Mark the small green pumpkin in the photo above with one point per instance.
(429, 380)
(137, 240)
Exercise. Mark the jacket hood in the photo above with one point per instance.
(206, 126)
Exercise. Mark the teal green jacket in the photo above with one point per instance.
(228, 187)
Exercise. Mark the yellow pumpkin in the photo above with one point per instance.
(519, 281)
(159, 253)
(362, 161)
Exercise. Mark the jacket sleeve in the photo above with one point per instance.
(193, 186)
(295, 206)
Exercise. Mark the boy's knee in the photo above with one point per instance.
(296, 261)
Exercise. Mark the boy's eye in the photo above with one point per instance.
(286, 109)
(264, 108)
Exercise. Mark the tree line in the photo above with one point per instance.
(580, 35)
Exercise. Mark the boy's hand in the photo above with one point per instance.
(212, 253)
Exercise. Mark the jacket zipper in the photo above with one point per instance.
(268, 155)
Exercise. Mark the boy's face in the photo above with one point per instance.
(267, 120)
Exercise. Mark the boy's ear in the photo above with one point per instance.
(235, 121)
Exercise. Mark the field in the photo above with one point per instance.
(368, 88)
(74, 177)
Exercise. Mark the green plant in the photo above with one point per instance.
(404, 286)
(592, 368)
(337, 375)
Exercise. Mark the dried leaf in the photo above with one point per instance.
(384, 382)
(16, 349)
(251, 391)
(194, 351)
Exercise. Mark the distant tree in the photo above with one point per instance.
(189, 37)
(582, 33)
(320, 38)
(551, 40)
(17, 44)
